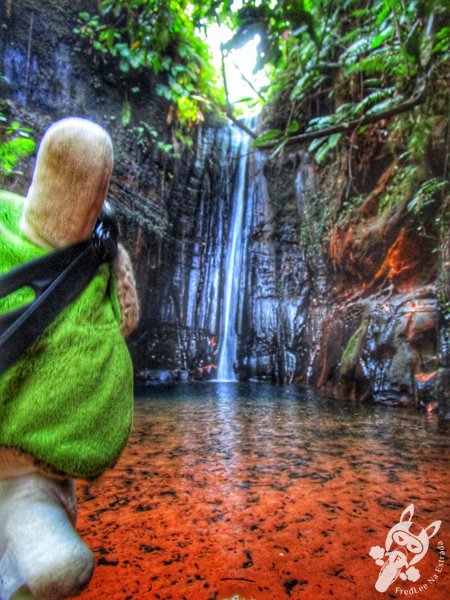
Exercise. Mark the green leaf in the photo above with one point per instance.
(23, 146)
(412, 44)
(334, 139)
(384, 105)
(361, 12)
(105, 6)
(124, 66)
(373, 99)
(12, 150)
(426, 193)
(316, 143)
(381, 38)
(383, 14)
(126, 113)
(167, 148)
(320, 122)
(322, 152)
(266, 137)
(294, 127)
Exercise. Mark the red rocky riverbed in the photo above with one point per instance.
(263, 492)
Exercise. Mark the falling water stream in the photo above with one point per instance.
(233, 265)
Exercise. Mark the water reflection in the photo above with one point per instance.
(265, 491)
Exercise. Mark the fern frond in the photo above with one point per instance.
(356, 49)
(383, 60)
(373, 98)
(425, 194)
(384, 105)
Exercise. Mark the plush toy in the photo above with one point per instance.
(66, 400)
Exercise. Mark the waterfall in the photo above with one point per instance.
(233, 266)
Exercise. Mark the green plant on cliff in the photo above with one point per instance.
(353, 348)
(162, 37)
(339, 65)
(16, 142)
(426, 194)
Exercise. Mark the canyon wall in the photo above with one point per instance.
(173, 207)
(343, 295)
(346, 300)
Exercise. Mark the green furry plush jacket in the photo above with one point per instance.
(68, 401)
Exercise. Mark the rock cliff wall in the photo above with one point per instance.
(346, 300)
(342, 294)
(174, 208)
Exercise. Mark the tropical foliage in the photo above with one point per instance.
(16, 142)
(335, 65)
(162, 37)
(338, 64)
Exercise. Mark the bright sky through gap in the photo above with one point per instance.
(238, 62)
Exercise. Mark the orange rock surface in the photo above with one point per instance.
(270, 502)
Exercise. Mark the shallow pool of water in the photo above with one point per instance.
(264, 492)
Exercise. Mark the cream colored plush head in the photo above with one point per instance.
(70, 183)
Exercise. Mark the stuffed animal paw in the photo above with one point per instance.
(66, 388)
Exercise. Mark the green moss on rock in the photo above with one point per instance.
(352, 350)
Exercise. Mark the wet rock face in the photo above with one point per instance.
(277, 278)
(343, 301)
(346, 304)
(181, 314)
(173, 212)
(394, 350)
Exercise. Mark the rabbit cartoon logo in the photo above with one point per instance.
(406, 544)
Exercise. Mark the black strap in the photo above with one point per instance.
(57, 279)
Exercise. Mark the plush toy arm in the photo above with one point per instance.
(126, 288)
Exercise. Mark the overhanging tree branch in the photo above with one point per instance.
(242, 126)
(228, 109)
(405, 106)
(248, 82)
